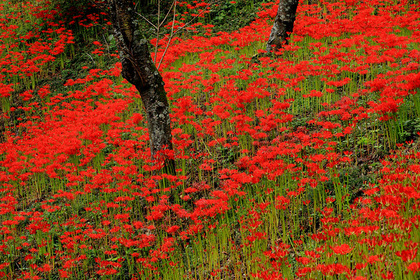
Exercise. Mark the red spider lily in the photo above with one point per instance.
(282, 202)
(333, 269)
(82, 124)
(172, 229)
(407, 255)
(342, 249)
(414, 267)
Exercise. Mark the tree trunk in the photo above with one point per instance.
(139, 69)
(283, 24)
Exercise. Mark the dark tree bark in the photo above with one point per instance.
(283, 24)
(139, 69)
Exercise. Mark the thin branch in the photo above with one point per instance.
(170, 38)
(157, 31)
(107, 45)
(173, 31)
(178, 30)
(143, 17)
(91, 58)
(168, 13)
(149, 22)
(194, 18)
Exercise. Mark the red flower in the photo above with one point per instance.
(342, 249)
(414, 267)
(407, 255)
(282, 202)
(172, 229)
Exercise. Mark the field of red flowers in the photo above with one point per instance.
(305, 165)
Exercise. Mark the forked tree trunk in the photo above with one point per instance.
(283, 24)
(139, 69)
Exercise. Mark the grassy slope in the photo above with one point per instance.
(286, 167)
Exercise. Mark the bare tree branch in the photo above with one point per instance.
(157, 31)
(180, 29)
(170, 39)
